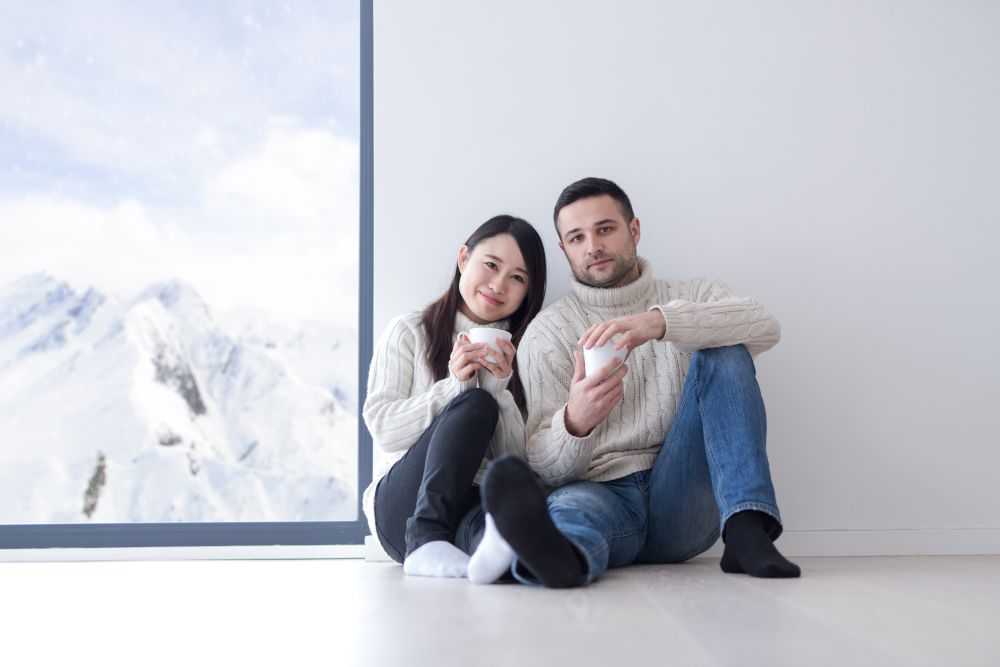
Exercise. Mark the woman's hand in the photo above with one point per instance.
(466, 357)
(501, 370)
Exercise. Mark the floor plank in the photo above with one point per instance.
(856, 611)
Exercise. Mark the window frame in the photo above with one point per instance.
(253, 533)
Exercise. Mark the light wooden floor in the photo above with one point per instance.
(844, 611)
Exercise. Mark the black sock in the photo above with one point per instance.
(516, 500)
(749, 548)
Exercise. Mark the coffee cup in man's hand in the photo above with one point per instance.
(597, 358)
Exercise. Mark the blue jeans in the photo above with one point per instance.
(711, 465)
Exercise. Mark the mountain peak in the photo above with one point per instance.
(33, 284)
(29, 298)
(174, 295)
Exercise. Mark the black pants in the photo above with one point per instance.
(429, 494)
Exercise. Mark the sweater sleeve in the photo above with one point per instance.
(546, 372)
(492, 384)
(395, 418)
(714, 317)
(508, 438)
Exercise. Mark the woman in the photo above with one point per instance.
(438, 406)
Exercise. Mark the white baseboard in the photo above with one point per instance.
(904, 542)
(793, 543)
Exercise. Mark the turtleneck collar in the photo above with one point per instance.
(463, 323)
(639, 291)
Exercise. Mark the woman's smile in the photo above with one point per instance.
(490, 300)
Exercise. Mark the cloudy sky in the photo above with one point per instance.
(212, 142)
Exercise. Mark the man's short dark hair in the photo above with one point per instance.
(593, 187)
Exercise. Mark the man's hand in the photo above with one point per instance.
(634, 329)
(591, 399)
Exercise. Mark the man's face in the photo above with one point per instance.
(598, 242)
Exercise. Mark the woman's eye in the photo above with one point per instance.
(492, 265)
(519, 279)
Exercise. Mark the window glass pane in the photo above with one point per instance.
(178, 261)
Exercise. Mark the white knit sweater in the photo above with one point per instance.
(699, 313)
(403, 399)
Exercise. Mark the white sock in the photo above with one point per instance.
(492, 558)
(436, 559)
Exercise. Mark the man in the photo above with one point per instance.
(650, 458)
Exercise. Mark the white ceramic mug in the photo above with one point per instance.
(488, 335)
(597, 358)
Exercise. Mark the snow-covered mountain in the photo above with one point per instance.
(149, 410)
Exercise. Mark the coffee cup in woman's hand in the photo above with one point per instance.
(488, 336)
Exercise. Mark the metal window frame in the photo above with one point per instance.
(51, 536)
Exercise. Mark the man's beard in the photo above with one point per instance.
(622, 267)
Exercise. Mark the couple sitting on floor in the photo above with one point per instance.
(551, 472)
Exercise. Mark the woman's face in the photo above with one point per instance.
(494, 281)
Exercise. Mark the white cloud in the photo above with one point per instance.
(276, 229)
(169, 140)
(75, 240)
(119, 94)
(302, 177)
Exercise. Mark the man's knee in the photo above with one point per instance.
(731, 356)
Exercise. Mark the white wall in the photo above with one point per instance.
(840, 162)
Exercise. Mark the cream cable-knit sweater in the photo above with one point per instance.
(403, 399)
(699, 313)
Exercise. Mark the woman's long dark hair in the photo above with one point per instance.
(438, 318)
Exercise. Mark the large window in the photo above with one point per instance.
(181, 259)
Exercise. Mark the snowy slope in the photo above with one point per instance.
(147, 410)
